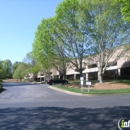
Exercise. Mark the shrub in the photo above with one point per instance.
(0, 80)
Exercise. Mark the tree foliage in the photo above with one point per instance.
(43, 43)
(79, 30)
(62, 39)
(108, 34)
(2, 72)
(125, 9)
(15, 65)
(72, 32)
(45, 48)
(21, 71)
(34, 66)
(7, 66)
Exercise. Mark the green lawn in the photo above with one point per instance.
(95, 91)
(123, 81)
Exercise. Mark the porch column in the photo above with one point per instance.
(86, 73)
(40, 79)
(74, 76)
(119, 72)
(86, 76)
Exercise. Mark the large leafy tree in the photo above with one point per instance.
(21, 71)
(79, 29)
(34, 66)
(7, 66)
(107, 34)
(42, 44)
(72, 33)
(45, 49)
(64, 38)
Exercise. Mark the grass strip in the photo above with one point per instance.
(123, 81)
(94, 91)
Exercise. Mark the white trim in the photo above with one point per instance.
(92, 70)
(40, 76)
(112, 68)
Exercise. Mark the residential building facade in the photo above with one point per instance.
(119, 70)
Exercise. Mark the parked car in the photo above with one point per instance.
(53, 81)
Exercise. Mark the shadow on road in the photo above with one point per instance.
(55, 118)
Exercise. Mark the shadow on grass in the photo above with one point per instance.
(56, 118)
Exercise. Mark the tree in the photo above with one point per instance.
(81, 28)
(72, 33)
(2, 72)
(15, 65)
(125, 9)
(7, 66)
(108, 34)
(34, 66)
(21, 71)
(63, 39)
(45, 49)
(42, 44)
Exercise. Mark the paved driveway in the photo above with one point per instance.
(37, 107)
(33, 95)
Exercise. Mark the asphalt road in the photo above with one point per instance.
(37, 107)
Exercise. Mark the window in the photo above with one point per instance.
(112, 64)
(92, 66)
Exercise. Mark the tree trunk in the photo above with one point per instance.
(100, 76)
(34, 77)
(64, 74)
(81, 73)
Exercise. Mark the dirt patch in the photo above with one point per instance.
(106, 85)
(11, 80)
(110, 85)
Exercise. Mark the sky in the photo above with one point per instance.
(18, 23)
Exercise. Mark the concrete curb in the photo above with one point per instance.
(68, 92)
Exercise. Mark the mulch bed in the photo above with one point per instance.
(105, 85)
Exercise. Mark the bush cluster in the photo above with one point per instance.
(0, 80)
